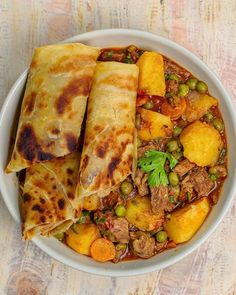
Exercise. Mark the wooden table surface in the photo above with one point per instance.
(208, 28)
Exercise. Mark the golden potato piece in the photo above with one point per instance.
(139, 213)
(151, 73)
(198, 105)
(81, 237)
(184, 222)
(91, 203)
(154, 125)
(202, 143)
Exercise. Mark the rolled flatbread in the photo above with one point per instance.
(54, 103)
(108, 149)
(49, 204)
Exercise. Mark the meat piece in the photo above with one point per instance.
(120, 253)
(172, 67)
(104, 221)
(141, 182)
(116, 56)
(120, 230)
(110, 201)
(153, 145)
(160, 246)
(221, 170)
(172, 86)
(183, 167)
(186, 188)
(201, 181)
(142, 244)
(160, 199)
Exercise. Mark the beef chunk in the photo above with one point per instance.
(172, 86)
(141, 182)
(142, 244)
(120, 230)
(110, 201)
(160, 199)
(201, 181)
(186, 188)
(183, 167)
(153, 145)
(172, 67)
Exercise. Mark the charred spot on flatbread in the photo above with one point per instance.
(61, 204)
(29, 147)
(76, 87)
(71, 141)
(29, 103)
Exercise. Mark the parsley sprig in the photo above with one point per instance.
(153, 163)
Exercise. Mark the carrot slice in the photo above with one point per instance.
(173, 112)
(102, 250)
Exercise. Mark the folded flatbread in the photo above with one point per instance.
(49, 205)
(54, 103)
(108, 149)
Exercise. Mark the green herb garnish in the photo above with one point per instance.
(84, 215)
(189, 196)
(172, 199)
(153, 163)
(100, 220)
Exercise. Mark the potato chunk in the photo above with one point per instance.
(154, 125)
(139, 213)
(91, 203)
(151, 73)
(197, 105)
(184, 222)
(202, 143)
(81, 237)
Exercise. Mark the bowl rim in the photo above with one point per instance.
(178, 255)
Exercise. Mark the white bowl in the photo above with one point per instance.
(123, 37)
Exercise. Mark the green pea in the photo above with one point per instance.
(218, 124)
(161, 236)
(126, 188)
(208, 117)
(213, 171)
(178, 155)
(109, 54)
(120, 210)
(172, 199)
(138, 121)
(173, 178)
(172, 145)
(213, 177)
(59, 236)
(183, 90)
(176, 131)
(121, 247)
(173, 77)
(201, 87)
(192, 83)
(148, 105)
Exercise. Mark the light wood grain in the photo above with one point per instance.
(208, 28)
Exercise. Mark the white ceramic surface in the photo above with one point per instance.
(123, 37)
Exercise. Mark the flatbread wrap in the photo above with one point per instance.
(54, 103)
(108, 149)
(49, 205)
